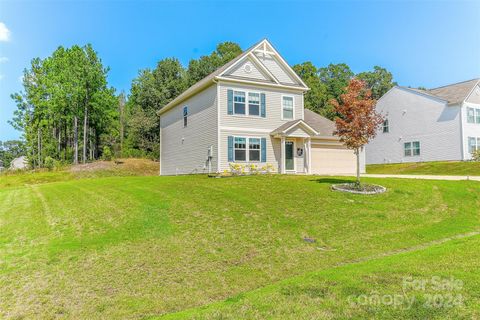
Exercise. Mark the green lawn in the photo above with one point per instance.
(139, 247)
(452, 168)
(392, 286)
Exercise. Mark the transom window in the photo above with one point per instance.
(287, 107)
(473, 144)
(411, 148)
(254, 104)
(254, 149)
(239, 102)
(385, 126)
(473, 115)
(185, 116)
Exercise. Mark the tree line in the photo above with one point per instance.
(68, 112)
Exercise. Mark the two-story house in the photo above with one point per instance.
(249, 111)
(428, 125)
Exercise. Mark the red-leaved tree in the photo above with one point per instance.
(357, 122)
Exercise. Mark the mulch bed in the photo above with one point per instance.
(362, 189)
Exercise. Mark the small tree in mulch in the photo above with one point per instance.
(357, 122)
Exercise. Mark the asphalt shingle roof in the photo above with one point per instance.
(453, 93)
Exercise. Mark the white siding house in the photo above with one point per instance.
(250, 111)
(427, 125)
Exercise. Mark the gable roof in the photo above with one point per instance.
(219, 74)
(319, 125)
(454, 93)
(322, 125)
(287, 126)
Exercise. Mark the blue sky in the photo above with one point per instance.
(422, 43)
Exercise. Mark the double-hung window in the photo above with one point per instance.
(287, 108)
(253, 104)
(246, 103)
(473, 115)
(185, 116)
(239, 102)
(385, 126)
(411, 148)
(470, 115)
(254, 149)
(240, 148)
(473, 144)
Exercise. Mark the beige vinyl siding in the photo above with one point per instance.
(332, 157)
(254, 74)
(474, 96)
(275, 68)
(299, 160)
(273, 98)
(245, 126)
(272, 148)
(184, 150)
(298, 132)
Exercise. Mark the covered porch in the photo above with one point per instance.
(295, 139)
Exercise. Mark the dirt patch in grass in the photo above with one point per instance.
(141, 167)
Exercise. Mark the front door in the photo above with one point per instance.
(289, 163)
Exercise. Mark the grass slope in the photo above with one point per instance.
(452, 168)
(98, 169)
(134, 247)
(341, 292)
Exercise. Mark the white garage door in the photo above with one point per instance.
(331, 160)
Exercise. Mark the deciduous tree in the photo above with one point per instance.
(357, 122)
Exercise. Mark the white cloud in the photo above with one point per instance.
(3, 59)
(4, 32)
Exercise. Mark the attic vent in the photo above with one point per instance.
(247, 67)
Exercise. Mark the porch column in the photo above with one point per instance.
(309, 146)
(282, 155)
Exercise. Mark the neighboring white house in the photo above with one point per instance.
(19, 163)
(250, 111)
(428, 125)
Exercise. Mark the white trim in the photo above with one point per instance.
(218, 128)
(471, 91)
(247, 109)
(184, 116)
(272, 85)
(309, 142)
(300, 122)
(418, 93)
(160, 147)
(264, 68)
(411, 142)
(247, 150)
(462, 134)
(282, 155)
(294, 170)
(286, 65)
(293, 106)
(245, 129)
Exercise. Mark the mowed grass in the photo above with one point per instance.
(451, 168)
(139, 247)
(438, 282)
